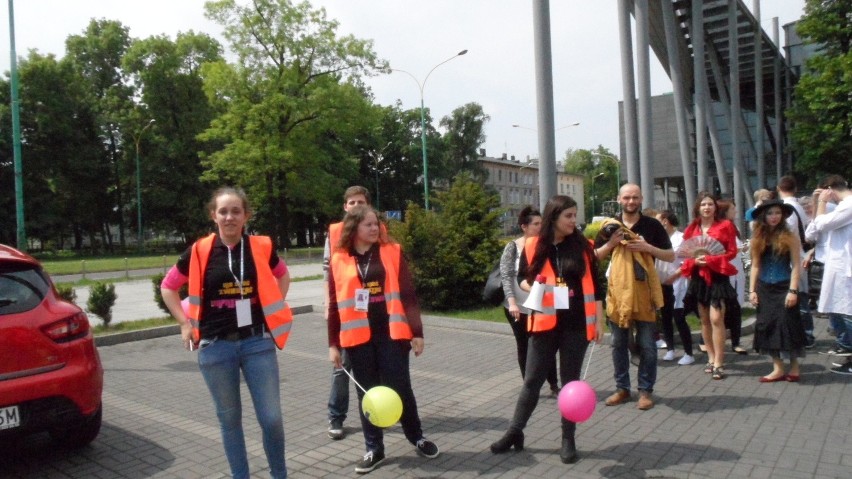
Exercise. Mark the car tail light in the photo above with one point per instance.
(72, 327)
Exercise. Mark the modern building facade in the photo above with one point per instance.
(516, 182)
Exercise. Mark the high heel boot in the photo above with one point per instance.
(513, 437)
(568, 453)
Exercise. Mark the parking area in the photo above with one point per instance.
(159, 421)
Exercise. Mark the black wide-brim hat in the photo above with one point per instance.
(786, 209)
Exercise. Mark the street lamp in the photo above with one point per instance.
(576, 123)
(139, 188)
(423, 121)
(599, 175)
(617, 167)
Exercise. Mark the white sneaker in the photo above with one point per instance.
(669, 355)
(686, 360)
(661, 344)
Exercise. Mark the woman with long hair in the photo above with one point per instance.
(373, 313)
(572, 314)
(773, 289)
(236, 318)
(709, 288)
(529, 221)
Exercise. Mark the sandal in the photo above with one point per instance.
(709, 368)
(740, 350)
(718, 373)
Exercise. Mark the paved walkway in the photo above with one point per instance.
(159, 421)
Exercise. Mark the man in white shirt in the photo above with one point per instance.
(787, 193)
(836, 293)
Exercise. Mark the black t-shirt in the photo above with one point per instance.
(648, 228)
(221, 286)
(568, 262)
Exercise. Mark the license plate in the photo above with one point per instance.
(9, 417)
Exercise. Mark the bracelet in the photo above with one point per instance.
(793, 291)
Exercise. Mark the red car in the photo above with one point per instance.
(51, 378)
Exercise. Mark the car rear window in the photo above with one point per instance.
(22, 288)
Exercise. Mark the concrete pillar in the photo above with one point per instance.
(698, 101)
(673, 40)
(776, 77)
(544, 101)
(628, 91)
(758, 95)
(643, 67)
(734, 72)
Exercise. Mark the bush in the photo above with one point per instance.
(67, 293)
(101, 300)
(158, 295)
(453, 248)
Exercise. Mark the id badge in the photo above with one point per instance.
(243, 312)
(362, 299)
(560, 297)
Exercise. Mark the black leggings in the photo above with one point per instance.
(519, 329)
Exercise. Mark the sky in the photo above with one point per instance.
(498, 72)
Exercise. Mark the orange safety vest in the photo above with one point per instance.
(546, 320)
(354, 326)
(276, 312)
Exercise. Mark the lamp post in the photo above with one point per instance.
(593, 192)
(139, 189)
(421, 86)
(617, 168)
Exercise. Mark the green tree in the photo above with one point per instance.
(600, 177)
(453, 248)
(291, 102)
(465, 133)
(96, 56)
(822, 112)
(167, 77)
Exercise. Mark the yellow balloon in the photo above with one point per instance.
(382, 406)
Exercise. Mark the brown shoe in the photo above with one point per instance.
(620, 396)
(645, 401)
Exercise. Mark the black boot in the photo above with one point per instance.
(568, 453)
(513, 437)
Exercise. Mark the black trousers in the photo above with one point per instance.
(542, 349)
(519, 329)
(678, 317)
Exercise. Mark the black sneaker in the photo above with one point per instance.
(427, 448)
(810, 342)
(845, 369)
(836, 350)
(844, 353)
(370, 461)
(335, 429)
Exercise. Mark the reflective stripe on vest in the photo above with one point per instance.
(276, 312)
(546, 320)
(354, 325)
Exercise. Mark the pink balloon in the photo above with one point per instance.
(577, 401)
(184, 303)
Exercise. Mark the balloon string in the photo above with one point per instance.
(586, 369)
(353, 380)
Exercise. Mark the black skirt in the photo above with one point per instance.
(719, 292)
(778, 328)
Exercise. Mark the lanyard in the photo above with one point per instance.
(558, 260)
(363, 274)
(242, 266)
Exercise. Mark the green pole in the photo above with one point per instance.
(425, 162)
(16, 136)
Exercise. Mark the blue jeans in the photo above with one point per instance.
(338, 398)
(220, 362)
(647, 358)
(842, 325)
(384, 362)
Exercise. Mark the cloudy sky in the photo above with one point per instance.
(497, 72)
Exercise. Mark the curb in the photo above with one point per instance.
(437, 321)
(160, 331)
